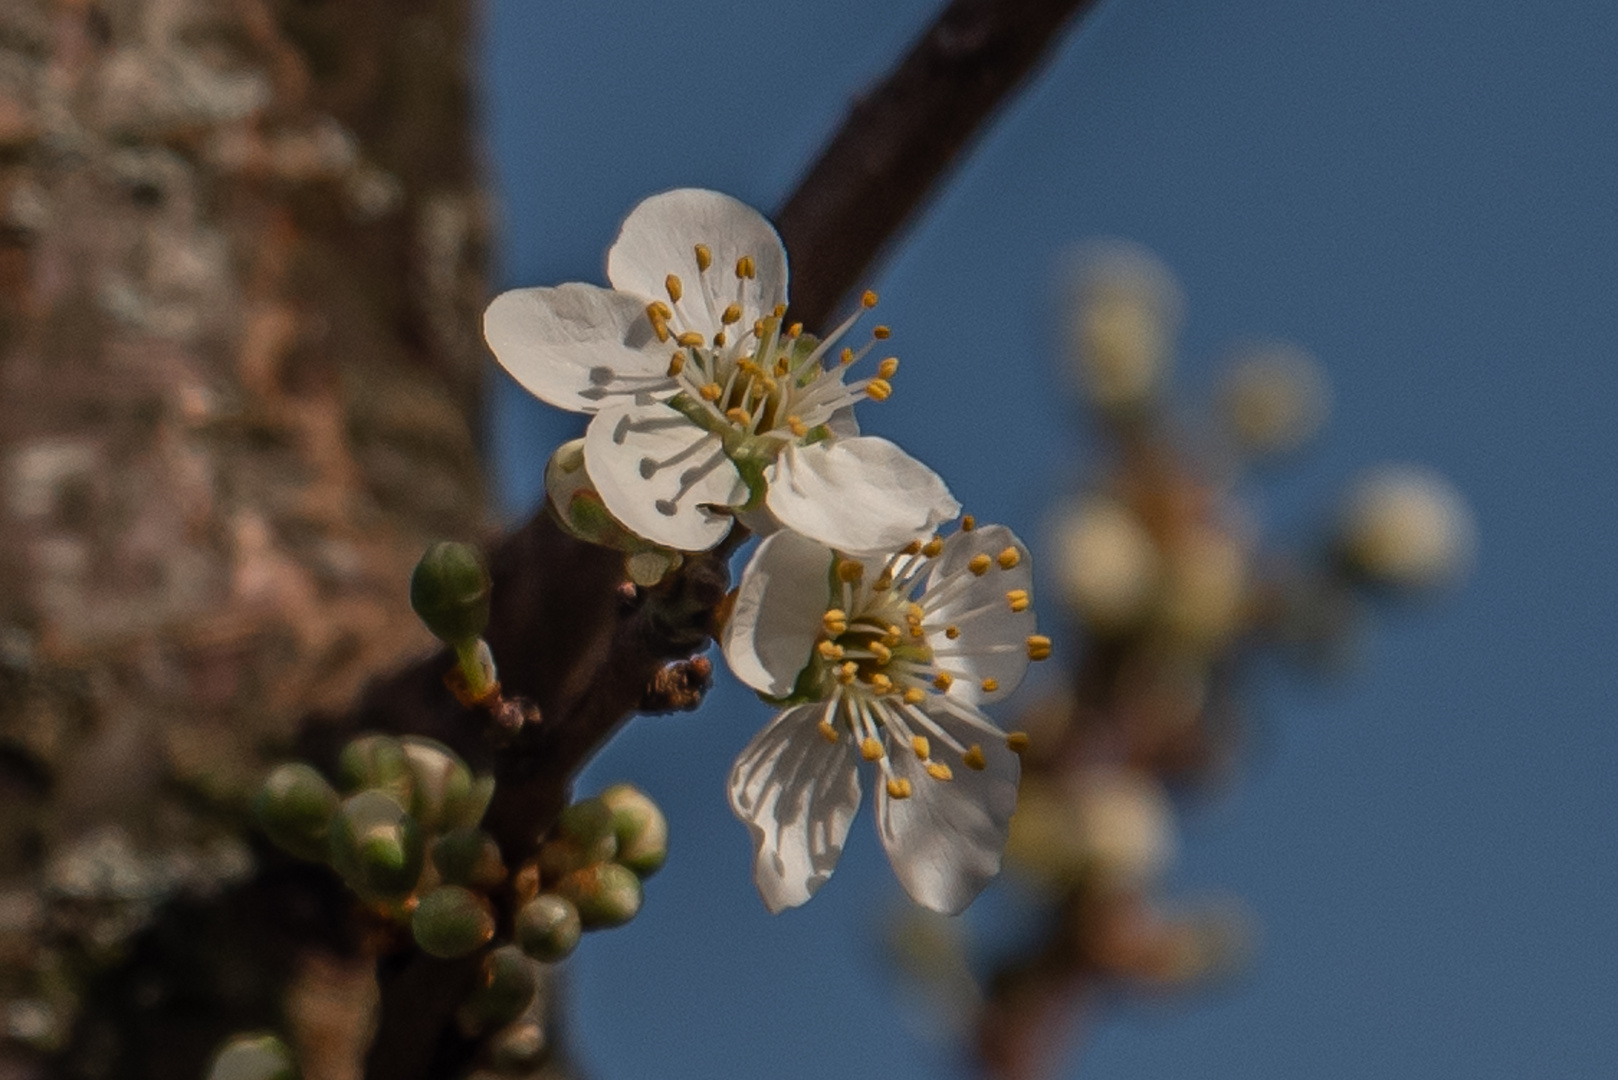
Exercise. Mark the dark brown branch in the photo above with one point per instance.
(904, 135)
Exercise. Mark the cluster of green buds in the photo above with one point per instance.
(402, 834)
(588, 873)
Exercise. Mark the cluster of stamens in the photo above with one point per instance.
(882, 675)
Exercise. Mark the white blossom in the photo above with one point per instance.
(885, 660)
(705, 400)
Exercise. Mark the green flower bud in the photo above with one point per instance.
(548, 927)
(295, 808)
(376, 846)
(375, 762)
(577, 507)
(589, 824)
(253, 1057)
(452, 921)
(469, 857)
(641, 828)
(441, 782)
(450, 592)
(505, 990)
(606, 894)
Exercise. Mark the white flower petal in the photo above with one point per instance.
(578, 347)
(946, 839)
(796, 793)
(659, 238)
(658, 473)
(980, 609)
(783, 595)
(861, 496)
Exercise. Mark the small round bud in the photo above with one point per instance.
(548, 927)
(376, 763)
(469, 857)
(376, 846)
(576, 506)
(1107, 564)
(450, 592)
(253, 1057)
(1405, 528)
(518, 1047)
(506, 987)
(589, 824)
(606, 894)
(452, 921)
(1273, 399)
(641, 828)
(1124, 315)
(441, 784)
(295, 808)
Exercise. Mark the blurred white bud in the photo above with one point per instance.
(1107, 564)
(1112, 826)
(1125, 309)
(1273, 399)
(1205, 588)
(1406, 527)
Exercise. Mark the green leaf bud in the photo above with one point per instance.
(441, 782)
(376, 846)
(606, 894)
(452, 921)
(253, 1057)
(505, 989)
(295, 808)
(641, 829)
(469, 857)
(548, 927)
(376, 762)
(450, 592)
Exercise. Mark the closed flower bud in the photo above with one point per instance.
(452, 921)
(506, 987)
(376, 763)
(1405, 528)
(376, 846)
(1108, 567)
(295, 808)
(606, 894)
(518, 1047)
(450, 592)
(441, 783)
(578, 508)
(1126, 310)
(469, 857)
(641, 828)
(253, 1057)
(1273, 399)
(548, 927)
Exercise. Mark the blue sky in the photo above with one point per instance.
(1423, 195)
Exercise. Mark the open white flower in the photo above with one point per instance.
(885, 660)
(705, 401)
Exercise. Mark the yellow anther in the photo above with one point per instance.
(881, 683)
(1039, 647)
(719, 340)
(846, 673)
(732, 314)
(944, 681)
(974, 759)
(658, 311)
(770, 385)
(968, 523)
(758, 328)
(870, 749)
(676, 290)
(710, 392)
(893, 636)
(990, 685)
(795, 330)
(898, 788)
(879, 389)
(782, 365)
(939, 771)
(912, 548)
(920, 744)
(915, 696)
(883, 583)
(827, 732)
(780, 310)
(850, 570)
(1008, 558)
(1017, 741)
(932, 547)
(915, 612)
(745, 267)
(868, 300)
(916, 631)
(835, 622)
(882, 653)
(830, 650)
(738, 415)
(980, 564)
(661, 329)
(887, 368)
(676, 364)
(796, 425)
(690, 339)
(952, 631)
(881, 333)
(845, 357)
(704, 257)
(1018, 599)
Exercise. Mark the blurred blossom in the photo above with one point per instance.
(1107, 565)
(1205, 588)
(1406, 527)
(1113, 826)
(1273, 399)
(1125, 309)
